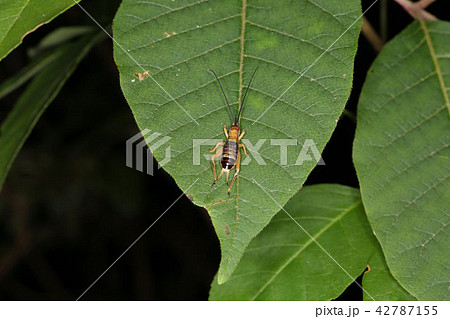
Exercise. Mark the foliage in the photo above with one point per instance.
(304, 51)
(54, 70)
(379, 281)
(401, 155)
(284, 263)
(20, 17)
(197, 35)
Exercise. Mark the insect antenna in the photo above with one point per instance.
(229, 108)
(238, 118)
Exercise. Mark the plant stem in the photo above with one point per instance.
(384, 20)
(350, 115)
(415, 10)
(371, 35)
(425, 3)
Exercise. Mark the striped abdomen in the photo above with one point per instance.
(229, 155)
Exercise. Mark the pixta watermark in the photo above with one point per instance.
(137, 145)
(287, 152)
(291, 151)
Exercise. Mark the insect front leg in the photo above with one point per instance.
(218, 153)
(242, 135)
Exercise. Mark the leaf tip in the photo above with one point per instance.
(222, 278)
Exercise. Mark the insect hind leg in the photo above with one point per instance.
(218, 153)
(216, 179)
(238, 168)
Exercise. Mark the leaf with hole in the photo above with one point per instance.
(401, 155)
(304, 50)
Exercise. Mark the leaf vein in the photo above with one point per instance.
(161, 15)
(405, 133)
(241, 67)
(289, 104)
(418, 197)
(292, 70)
(307, 244)
(436, 64)
(192, 91)
(197, 55)
(294, 37)
(326, 11)
(433, 153)
(403, 91)
(155, 4)
(15, 20)
(184, 32)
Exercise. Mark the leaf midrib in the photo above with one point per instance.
(309, 242)
(436, 64)
(241, 66)
(242, 37)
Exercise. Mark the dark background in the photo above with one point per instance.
(70, 206)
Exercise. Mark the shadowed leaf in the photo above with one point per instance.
(38, 95)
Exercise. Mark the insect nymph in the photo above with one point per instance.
(229, 151)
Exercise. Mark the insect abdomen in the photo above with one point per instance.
(229, 155)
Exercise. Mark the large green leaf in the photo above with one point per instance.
(178, 41)
(37, 96)
(380, 283)
(284, 263)
(401, 154)
(19, 17)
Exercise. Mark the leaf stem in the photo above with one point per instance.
(416, 9)
(350, 115)
(425, 3)
(384, 20)
(371, 35)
